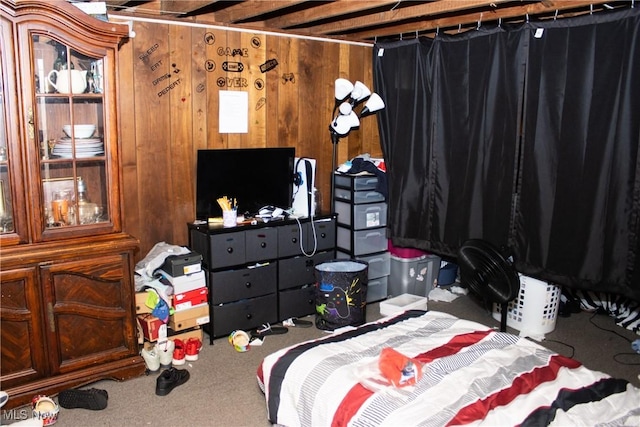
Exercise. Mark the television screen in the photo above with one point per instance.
(255, 177)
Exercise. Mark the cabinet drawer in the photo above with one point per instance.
(245, 314)
(227, 249)
(289, 237)
(297, 302)
(356, 182)
(300, 270)
(233, 285)
(357, 197)
(261, 244)
(363, 241)
(358, 217)
(379, 264)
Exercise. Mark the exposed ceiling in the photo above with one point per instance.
(358, 20)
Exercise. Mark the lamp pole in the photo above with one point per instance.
(334, 141)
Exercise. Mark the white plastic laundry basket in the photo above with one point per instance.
(535, 310)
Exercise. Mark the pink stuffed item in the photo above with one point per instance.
(399, 369)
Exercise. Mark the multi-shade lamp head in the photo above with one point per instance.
(348, 96)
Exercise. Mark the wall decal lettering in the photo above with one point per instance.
(155, 65)
(171, 86)
(161, 78)
(232, 82)
(144, 56)
(227, 51)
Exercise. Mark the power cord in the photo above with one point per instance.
(634, 344)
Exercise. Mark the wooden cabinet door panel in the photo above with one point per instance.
(23, 342)
(89, 312)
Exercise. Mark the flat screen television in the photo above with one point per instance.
(255, 177)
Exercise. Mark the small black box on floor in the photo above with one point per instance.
(179, 265)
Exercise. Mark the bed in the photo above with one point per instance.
(471, 374)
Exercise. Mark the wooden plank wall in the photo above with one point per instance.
(170, 76)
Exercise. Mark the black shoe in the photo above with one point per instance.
(93, 399)
(170, 379)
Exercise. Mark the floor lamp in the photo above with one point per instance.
(347, 97)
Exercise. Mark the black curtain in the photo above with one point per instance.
(524, 136)
(576, 222)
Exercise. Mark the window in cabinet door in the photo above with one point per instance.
(71, 125)
(6, 211)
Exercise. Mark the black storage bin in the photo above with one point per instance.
(341, 293)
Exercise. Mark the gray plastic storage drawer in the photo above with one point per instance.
(377, 289)
(356, 182)
(358, 197)
(379, 264)
(358, 217)
(362, 242)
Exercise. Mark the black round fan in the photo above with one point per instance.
(488, 274)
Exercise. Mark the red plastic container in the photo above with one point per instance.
(405, 252)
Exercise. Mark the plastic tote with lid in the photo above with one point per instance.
(341, 293)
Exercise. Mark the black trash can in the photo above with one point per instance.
(341, 293)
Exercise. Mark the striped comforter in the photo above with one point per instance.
(471, 375)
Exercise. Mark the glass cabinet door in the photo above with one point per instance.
(6, 204)
(70, 129)
(6, 210)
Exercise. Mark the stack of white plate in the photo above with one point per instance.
(87, 147)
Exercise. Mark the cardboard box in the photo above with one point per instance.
(402, 303)
(141, 307)
(152, 327)
(187, 300)
(189, 318)
(187, 282)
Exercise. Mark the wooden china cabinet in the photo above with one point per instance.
(67, 312)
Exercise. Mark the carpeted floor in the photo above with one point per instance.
(222, 389)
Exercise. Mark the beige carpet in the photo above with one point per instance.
(223, 391)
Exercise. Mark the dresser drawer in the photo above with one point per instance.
(358, 217)
(233, 285)
(261, 244)
(300, 270)
(297, 302)
(227, 249)
(289, 237)
(246, 314)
